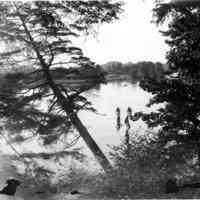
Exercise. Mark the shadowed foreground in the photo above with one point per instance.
(186, 194)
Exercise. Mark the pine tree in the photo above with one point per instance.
(37, 39)
(179, 90)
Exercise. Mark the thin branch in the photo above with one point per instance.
(14, 36)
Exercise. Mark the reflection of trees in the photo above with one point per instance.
(117, 83)
(97, 87)
(94, 91)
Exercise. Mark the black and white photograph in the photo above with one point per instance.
(99, 99)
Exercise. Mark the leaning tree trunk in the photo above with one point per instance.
(99, 155)
(91, 143)
(64, 103)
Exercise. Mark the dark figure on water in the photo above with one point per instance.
(118, 126)
(128, 117)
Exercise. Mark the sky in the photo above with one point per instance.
(133, 38)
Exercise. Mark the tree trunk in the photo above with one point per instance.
(63, 101)
(99, 155)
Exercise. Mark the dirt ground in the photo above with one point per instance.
(187, 194)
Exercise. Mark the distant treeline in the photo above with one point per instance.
(136, 70)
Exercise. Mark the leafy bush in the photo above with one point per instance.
(138, 169)
(75, 178)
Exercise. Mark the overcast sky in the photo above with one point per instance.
(132, 38)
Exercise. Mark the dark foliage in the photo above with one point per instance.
(137, 71)
(38, 38)
(138, 164)
(179, 90)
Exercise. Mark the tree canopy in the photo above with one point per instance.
(37, 39)
(179, 90)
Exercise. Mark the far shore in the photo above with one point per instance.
(118, 77)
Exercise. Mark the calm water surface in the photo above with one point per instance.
(102, 126)
(106, 99)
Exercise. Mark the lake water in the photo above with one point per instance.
(106, 99)
(102, 126)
